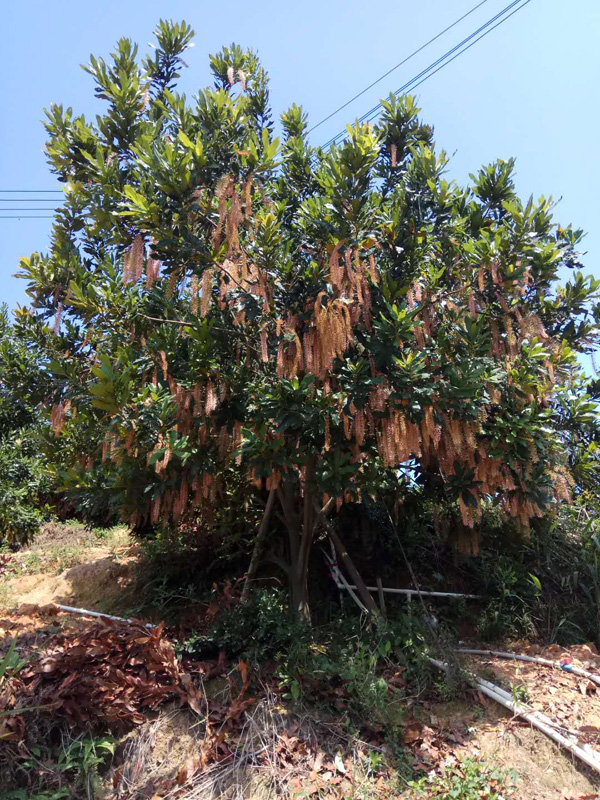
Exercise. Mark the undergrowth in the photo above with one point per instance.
(71, 769)
(469, 780)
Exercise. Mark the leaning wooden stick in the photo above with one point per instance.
(261, 537)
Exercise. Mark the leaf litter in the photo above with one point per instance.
(115, 675)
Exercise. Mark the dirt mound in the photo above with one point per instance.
(100, 584)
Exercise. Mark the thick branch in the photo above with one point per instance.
(279, 562)
(307, 524)
(258, 547)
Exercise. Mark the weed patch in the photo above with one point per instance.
(467, 780)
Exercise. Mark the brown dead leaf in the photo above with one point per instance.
(412, 732)
(318, 762)
(106, 674)
(182, 775)
(192, 696)
(242, 668)
(50, 609)
(26, 609)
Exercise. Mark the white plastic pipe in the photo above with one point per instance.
(589, 757)
(85, 613)
(341, 582)
(411, 592)
(571, 668)
(508, 696)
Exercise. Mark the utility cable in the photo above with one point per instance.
(426, 73)
(399, 64)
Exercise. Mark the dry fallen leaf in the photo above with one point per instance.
(412, 731)
(318, 762)
(107, 674)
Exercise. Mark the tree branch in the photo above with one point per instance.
(261, 536)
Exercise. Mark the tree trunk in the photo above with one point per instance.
(307, 522)
(300, 604)
(261, 537)
(299, 572)
(298, 569)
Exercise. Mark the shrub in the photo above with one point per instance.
(24, 481)
(257, 630)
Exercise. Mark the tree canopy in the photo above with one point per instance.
(323, 325)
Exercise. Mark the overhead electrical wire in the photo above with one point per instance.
(28, 200)
(471, 44)
(25, 211)
(499, 18)
(399, 64)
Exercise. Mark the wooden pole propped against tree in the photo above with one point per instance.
(381, 595)
(343, 555)
(261, 537)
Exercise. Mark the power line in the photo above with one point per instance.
(399, 64)
(369, 114)
(500, 18)
(27, 200)
(409, 84)
(464, 50)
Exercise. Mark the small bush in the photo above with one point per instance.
(73, 768)
(468, 780)
(368, 667)
(257, 630)
(23, 483)
(311, 663)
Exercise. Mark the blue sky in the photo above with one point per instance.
(528, 90)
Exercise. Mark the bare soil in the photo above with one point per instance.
(98, 576)
(544, 770)
(98, 585)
